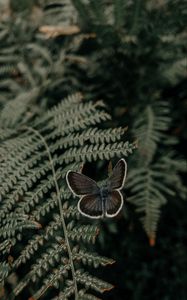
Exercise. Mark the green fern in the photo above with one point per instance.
(34, 195)
(154, 177)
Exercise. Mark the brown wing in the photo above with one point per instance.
(80, 184)
(117, 178)
(113, 204)
(91, 206)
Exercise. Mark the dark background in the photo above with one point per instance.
(128, 65)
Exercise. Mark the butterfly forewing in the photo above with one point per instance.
(117, 178)
(91, 206)
(80, 184)
(113, 204)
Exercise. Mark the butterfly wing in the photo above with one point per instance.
(80, 184)
(91, 206)
(118, 176)
(113, 204)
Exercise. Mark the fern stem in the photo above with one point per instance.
(60, 209)
(136, 17)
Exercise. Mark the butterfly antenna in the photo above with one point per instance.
(110, 168)
(81, 167)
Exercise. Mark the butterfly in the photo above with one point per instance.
(97, 202)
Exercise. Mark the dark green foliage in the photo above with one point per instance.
(141, 54)
(156, 177)
(131, 54)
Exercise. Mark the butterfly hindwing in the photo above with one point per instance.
(91, 206)
(113, 204)
(80, 184)
(117, 178)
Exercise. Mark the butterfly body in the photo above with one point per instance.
(103, 196)
(104, 193)
(98, 202)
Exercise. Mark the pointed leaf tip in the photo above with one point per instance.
(152, 241)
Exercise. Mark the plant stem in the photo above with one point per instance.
(60, 209)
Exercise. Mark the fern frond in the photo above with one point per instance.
(148, 197)
(7, 70)
(56, 12)
(65, 105)
(119, 13)
(155, 179)
(66, 294)
(91, 282)
(34, 165)
(90, 259)
(92, 152)
(54, 279)
(5, 246)
(175, 72)
(93, 135)
(4, 271)
(150, 128)
(85, 296)
(4, 134)
(16, 223)
(86, 233)
(13, 112)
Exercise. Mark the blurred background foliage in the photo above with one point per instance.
(131, 54)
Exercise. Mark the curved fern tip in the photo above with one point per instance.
(108, 288)
(38, 225)
(10, 260)
(136, 144)
(152, 241)
(97, 231)
(111, 262)
(125, 128)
